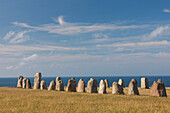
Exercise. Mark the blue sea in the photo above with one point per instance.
(12, 82)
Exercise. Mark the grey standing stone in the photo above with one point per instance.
(71, 86)
(43, 85)
(158, 89)
(28, 84)
(52, 85)
(59, 84)
(81, 86)
(159, 80)
(117, 89)
(135, 81)
(37, 80)
(24, 83)
(102, 87)
(19, 84)
(133, 89)
(107, 83)
(92, 86)
(144, 83)
(121, 82)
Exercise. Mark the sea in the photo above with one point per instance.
(12, 82)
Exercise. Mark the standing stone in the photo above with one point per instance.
(102, 87)
(92, 86)
(133, 89)
(135, 81)
(107, 83)
(19, 84)
(52, 85)
(71, 86)
(121, 83)
(28, 84)
(159, 80)
(117, 89)
(59, 84)
(43, 85)
(158, 89)
(24, 83)
(37, 80)
(81, 86)
(144, 83)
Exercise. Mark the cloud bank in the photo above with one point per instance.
(166, 10)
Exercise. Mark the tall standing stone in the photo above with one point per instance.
(102, 87)
(135, 81)
(59, 84)
(107, 83)
(121, 82)
(37, 80)
(43, 85)
(158, 89)
(24, 83)
(52, 85)
(71, 86)
(117, 89)
(81, 86)
(144, 83)
(133, 89)
(159, 80)
(28, 84)
(92, 86)
(19, 84)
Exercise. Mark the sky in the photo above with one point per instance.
(84, 37)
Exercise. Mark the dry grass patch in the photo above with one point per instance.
(29, 100)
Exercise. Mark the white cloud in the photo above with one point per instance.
(142, 54)
(166, 10)
(20, 37)
(152, 43)
(100, 40)
(162, 54)
(14, 49)
(100, 35)
(11, 49)
(22, 24)
(32, 57)
(65, 28)
(60, 20)
(9, 67)
(116, 45)
(70, 57)
(17, 37)
(9, 35)
(164, 42)
(78, 29)
(23, 62)
(158, 31)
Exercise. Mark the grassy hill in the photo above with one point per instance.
(43, 101)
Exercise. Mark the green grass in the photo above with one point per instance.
(37, 101)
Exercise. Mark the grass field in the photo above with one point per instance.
(43, 101)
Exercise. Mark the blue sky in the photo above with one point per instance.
(84, 37)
